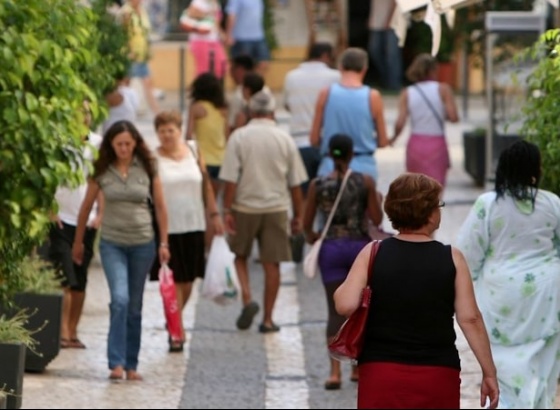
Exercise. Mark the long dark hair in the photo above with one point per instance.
(107, 154)
(519, 171)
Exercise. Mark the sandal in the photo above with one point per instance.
(64, 343)
(248, 312)
(175, 346)
(117, 373)
(76, 343)
(332, 385)
(268, 329)
(133, 375)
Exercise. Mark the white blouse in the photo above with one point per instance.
(182, 190)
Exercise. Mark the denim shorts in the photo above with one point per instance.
(256, 49)
(213, 171)
(140, 70)
(311, 159)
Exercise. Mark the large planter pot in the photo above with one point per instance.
(12, 366)
(475, 155)
(474, 146)
(447, 73)
(47, 317)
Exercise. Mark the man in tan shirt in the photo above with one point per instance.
(263, 172)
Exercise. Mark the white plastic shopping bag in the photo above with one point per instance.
(220, 282)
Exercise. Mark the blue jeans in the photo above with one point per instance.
(126, 269)
(385, 53)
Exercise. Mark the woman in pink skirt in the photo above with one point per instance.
(202, 20)
(429, 104)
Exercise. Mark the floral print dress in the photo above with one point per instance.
(513, 253)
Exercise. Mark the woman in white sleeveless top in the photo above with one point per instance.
(190, 199)
(429, 104)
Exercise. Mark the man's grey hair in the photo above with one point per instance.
(262, 103)
(354, 59)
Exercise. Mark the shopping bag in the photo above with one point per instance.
(170, 305)
(311, 261)
(220, 282)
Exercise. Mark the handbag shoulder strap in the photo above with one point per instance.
(335, 205)
(426, 99)
(374, 248)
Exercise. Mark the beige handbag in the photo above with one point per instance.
(311, 261)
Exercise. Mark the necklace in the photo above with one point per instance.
(404, 233)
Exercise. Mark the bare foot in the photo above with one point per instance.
(354, 376)
(117, 373)
(133, 375)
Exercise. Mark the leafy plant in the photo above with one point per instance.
(39, 276)
(447, 43)
(54, 56)
(269, 33)
(541, 112)
(13, 329)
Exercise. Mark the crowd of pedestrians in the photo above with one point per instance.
(233, 171)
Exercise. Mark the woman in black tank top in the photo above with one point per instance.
(409, 358)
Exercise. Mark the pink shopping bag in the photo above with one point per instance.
(170, 306)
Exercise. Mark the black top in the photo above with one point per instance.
(350, 218)
(412, 307)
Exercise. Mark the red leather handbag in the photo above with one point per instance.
(349, 340)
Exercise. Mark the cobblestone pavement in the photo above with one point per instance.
(222, 367)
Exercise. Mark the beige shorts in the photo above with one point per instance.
(271, 232)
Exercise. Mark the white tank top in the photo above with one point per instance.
(182, 190)
(423, 120)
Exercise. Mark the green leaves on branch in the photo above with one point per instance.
(542, 110)
(53, 57)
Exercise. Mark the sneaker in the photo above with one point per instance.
(245, 319)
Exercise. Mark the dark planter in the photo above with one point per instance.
(47, 318)
(474, 146)
(475, 155)
(12, 365)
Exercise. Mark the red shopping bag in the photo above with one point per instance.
(170, 306)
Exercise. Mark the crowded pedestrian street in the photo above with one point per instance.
(221, 366)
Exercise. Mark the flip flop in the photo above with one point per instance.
(330, 385)
(247, 315)
(268, 329)
(76, 343)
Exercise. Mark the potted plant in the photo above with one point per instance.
(15, 338)
(41, 294)
(447, 66)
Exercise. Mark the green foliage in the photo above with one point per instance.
(447, 43)
(54, 56)
(112, 45)
(541, 112)
(13, 329)
(269, 33)
(38, 276)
